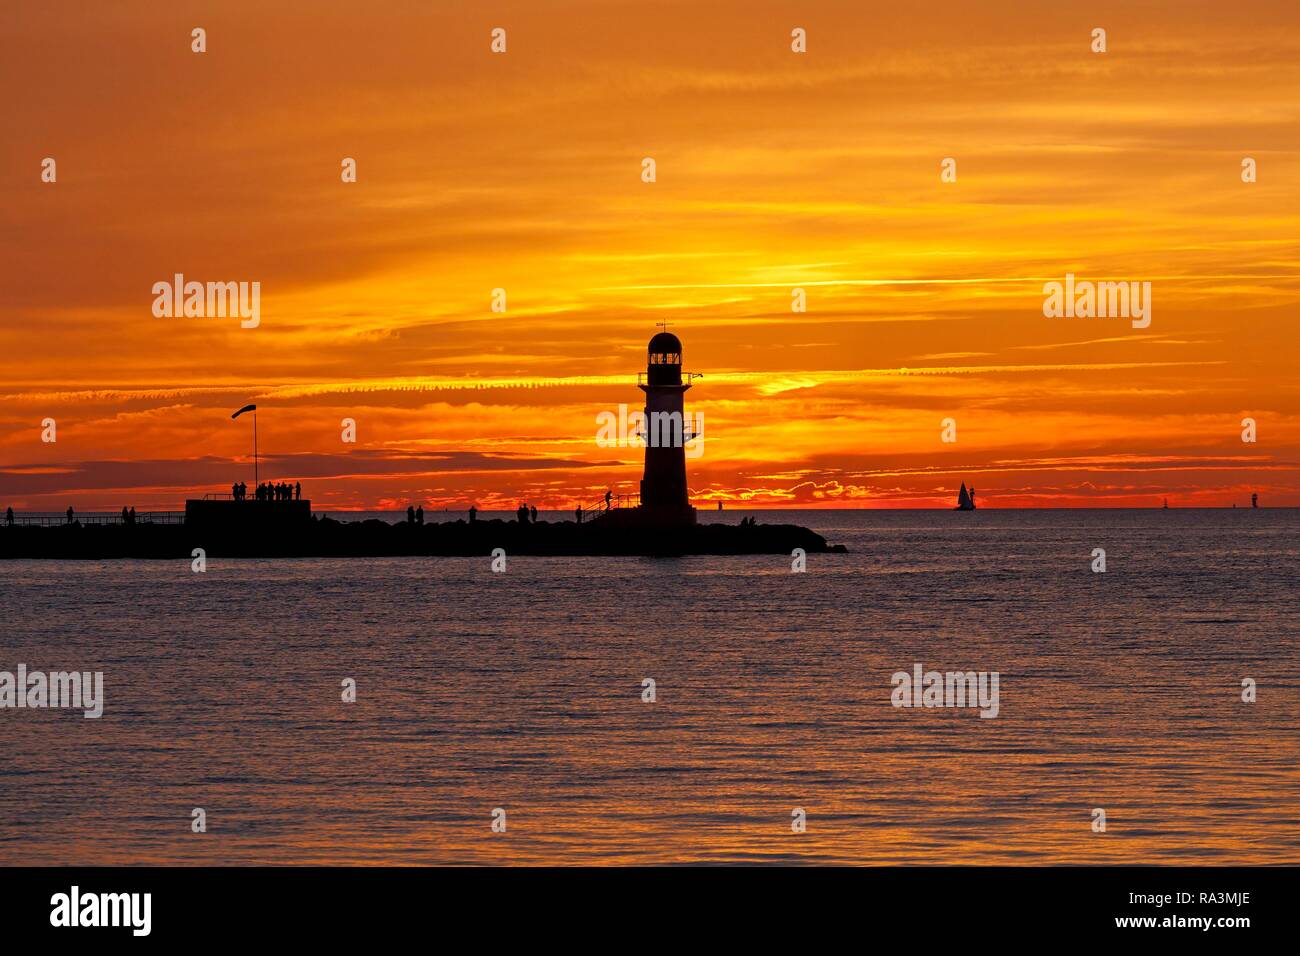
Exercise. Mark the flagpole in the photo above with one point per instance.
(252, 408)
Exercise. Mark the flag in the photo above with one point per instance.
(246, 408)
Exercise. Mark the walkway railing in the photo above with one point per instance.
(593, 511)
(54, 520)
(227, 496)
(643, 378)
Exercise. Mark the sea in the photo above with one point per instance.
(695, 710)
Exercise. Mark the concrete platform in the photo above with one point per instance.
(226, 514)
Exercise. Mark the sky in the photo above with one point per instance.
(774, 171)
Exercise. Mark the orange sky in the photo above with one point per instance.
(775, 170)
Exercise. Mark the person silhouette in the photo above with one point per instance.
(126, 518)
(410, 515)
(133, 515)
(522, 513)
(578, 512)
(297, 491)
(473, 514)
(9, 517)
(243, 491)
(69, 514)
(532, 514)
(609, 496)
(419, 515)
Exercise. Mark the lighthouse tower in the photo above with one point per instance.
(664, 497)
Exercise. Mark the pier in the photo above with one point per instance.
(285, 529)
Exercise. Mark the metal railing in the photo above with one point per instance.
(593, 511)
(252, 496)
(642, 435)
(56, 520)
(687, 377)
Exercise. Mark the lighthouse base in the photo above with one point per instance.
(649, 516)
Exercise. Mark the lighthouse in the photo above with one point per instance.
(664, 498)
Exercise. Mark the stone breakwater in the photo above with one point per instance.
(326, 537)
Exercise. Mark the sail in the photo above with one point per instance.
(963, 499)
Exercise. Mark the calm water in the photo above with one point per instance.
(523, 691)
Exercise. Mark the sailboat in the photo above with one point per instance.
(965, 499)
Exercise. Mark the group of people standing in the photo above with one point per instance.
(414, 515)
(525, 514)
(267, 491)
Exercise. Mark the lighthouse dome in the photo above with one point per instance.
(664, 363)
(665, 343)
